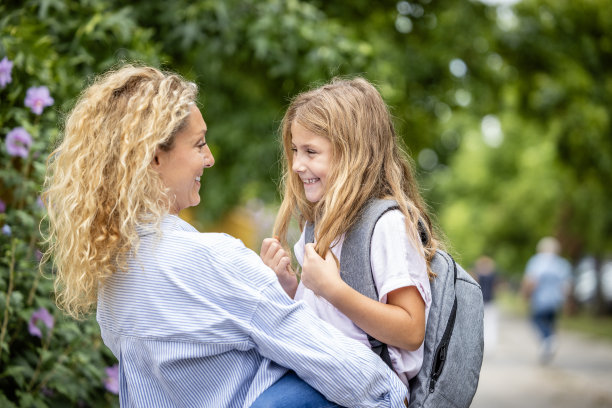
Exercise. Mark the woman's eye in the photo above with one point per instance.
(311, 151)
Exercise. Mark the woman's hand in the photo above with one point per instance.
(275, 256)
(322, 276)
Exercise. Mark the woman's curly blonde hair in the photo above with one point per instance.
(100, 185)
(367, 162)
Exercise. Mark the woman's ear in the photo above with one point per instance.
(156, 162)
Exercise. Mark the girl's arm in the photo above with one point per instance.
(400, 322)
(276, 258)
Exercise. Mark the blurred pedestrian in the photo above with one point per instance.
(485, 274)
(546, 285)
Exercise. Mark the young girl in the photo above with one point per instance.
(340, 151)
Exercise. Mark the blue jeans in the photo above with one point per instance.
(291, 391)
(545, 322)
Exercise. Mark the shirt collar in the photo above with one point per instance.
(175, 223)
(169, 222)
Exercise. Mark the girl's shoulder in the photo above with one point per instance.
(391, 222)
(391, 241)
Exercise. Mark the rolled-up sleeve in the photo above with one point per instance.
(344, 370)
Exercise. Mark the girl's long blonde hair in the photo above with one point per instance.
(367, 162)
(99, 184)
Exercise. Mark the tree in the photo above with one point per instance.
(49, 50)
(549, 175)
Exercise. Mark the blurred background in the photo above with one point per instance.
(505, 107)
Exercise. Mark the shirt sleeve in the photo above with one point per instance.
(396, 262)
(344, 370)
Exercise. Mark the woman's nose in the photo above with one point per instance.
(209, 160)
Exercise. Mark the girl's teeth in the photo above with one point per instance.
(197, 179)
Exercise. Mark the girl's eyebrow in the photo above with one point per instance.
(307, 145)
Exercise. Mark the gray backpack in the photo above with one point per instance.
(453, 343)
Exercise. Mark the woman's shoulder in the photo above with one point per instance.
(225, 254)
(217, 242)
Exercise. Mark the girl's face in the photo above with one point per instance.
(311, 160)
(181, 167)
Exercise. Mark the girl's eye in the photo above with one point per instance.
(293, 149)
(310, 151)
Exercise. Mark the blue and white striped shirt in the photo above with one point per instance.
(199, 321)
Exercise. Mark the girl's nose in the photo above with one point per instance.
(209, 160)
(297, 165)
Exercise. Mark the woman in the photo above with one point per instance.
(195, 320)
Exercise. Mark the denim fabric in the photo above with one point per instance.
(545, 323)
(292, 391)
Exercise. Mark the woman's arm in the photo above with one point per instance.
(344, 370)
(399, 323)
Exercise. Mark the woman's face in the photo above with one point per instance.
(311, 160)
(181, 167)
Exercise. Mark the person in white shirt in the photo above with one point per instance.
(340, 151)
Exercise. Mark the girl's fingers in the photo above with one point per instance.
(265, 246)
(277, 259)
(269, 247)
(283, 264)
(309, 251)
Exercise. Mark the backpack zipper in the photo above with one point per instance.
(438, 365)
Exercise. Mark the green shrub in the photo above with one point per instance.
(47, 53)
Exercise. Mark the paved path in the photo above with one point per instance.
(580, 375)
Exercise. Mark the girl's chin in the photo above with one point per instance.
(313, 192)
(313, 198)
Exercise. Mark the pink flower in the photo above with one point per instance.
(5, 72)
(37, 98)
(18, 142)
(111, 382)
(2, 206)
(42, 315)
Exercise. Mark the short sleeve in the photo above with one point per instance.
(396, 261)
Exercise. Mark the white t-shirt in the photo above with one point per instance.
(396, 263)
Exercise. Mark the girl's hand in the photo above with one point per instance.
(275, 257)
(322, 276)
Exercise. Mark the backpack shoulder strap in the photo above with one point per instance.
(356, 271)
(309, 233)
(355, 265)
